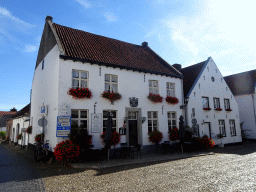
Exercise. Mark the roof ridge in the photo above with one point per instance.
(254, 70)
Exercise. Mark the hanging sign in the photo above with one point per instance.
(63, 126)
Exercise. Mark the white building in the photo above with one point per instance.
(211, 103)
(19, 124)
(72, 58)
(243, 86)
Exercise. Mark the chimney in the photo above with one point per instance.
(48, 18)
(177, 66)
(144, 44)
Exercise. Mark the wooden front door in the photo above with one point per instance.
(133, 131)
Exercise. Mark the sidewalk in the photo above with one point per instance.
(145, 158)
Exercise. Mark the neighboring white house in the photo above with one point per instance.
(243, 86)
(211, 103)
(19, 124)
(73, 58)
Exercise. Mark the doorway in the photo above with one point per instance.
(133, 128)
(208, 130)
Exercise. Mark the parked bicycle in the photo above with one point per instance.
(41, 151)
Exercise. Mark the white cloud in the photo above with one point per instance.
(110, 16)
(86, 4)
(221, 29)
(6, 13)
(30, 48)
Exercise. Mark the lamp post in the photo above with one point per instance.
(186, 99)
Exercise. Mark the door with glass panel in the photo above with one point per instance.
(133, 131)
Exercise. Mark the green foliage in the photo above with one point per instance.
(80, 136)
(2, 134)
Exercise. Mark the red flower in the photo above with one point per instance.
(228, 109)
(80, 93)
(174, 134)
(155, 136)
(218, 109)
(115, 138)
(207, 109)
(111, 96)
(155, 98)
(172, 100)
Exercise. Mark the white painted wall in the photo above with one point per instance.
(51, 84)
(247, 110)
(218, 89)
(45, 91)
(20, 122)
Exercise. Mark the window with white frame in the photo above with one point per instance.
(80, 117)
(216, 103)
(153, 87)
(222, 127)
(111, 83)
(170, 87)
(152, 120)
(232, 127)
(79, 79)
(205, 102)
(226, 103)
(172, 120)
(106, 114)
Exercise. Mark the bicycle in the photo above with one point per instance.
(41, 151)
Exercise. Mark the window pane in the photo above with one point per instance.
(149, 114)
(84, 84)
(107, 78)
(168, 115)
(167, 85)
(150, 90)
(107, 87)
(104, 123)
(75, 83)
(155, 83)
(114, 123)
(154, 114)
(74, 114)
(83, 124)
(156, 91)
(171, 85)
(83, 75)
(150, 123)
(173, 122)
(74, 123)
(168, 93)
(173, 115)
(114, 79)
(172, 93)
(83, 114)
(114, 114)
(114, 88)
(169, 122)
(75, 74)
(150, 83)
(105, 114)
(154, 123)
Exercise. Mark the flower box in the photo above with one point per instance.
(207, 109)
(174, 134)
(115, 138)
(155, 136)
(19, 136)
(218, 109)
(80, 93)
(155, 98)
(228, 109)
(111, 96)
(172, 100)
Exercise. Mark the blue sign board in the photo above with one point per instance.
(63, 126)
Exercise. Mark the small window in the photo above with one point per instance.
(172, 120)
(42, 64)
(212, 78)
(153, 87)
(152, 121)
(205, 101)
(204, 77)
(79, 79)
(226, 103)
(80, 118)
(216, 103)
(222, 127)
(193, 112)
(216, 70)
(199, 85)
(106, 114)
(232, 127)
(208, 69)
(111, 83)
(170, 87)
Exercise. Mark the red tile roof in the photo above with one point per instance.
(242, 83)
(7, 113)
(24, 111)
(88, 47)
(191, 74)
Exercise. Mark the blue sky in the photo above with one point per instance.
(184, 32)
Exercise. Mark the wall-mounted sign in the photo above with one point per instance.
(43, 109)
(133, 101)
(96, 123)
(63, 126)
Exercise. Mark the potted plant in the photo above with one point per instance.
(111, 96)
(172, 100)
(155, 136)
(220, 136)
(207, 108)
(218, 109)
(228, 109)
(39, 136)
(174, 134)
(29, 130)
(115, 138)
(155, 98)
(19, 136)
(80, 93)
